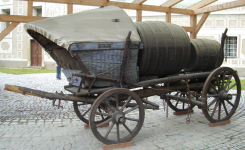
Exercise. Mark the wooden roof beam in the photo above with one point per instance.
(219, 7)
(201, 4)
(7, 30)
(123, 5)
(139, 1)
(171, 3)
(18, 18)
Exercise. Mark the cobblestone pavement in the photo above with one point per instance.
(29, 122)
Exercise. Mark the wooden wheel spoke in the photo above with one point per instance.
(126, 103)
(128, 111)
(102, 114)
(225, 109)
(176, 103)
(86, 112)
(108, 106)
(229, 103)
(103, 123)
(223, 80)
(213, 101)
(219, 111)
(215, 107)
(132, 119)
(218, 83)
(127, 128)
(183, 105)
(228, 81)
(231, 87)
(117, 102)
(213, 87)
(109, 130)
(118, 134)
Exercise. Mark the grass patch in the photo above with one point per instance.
(26, 71)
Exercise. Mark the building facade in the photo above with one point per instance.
(19, 50)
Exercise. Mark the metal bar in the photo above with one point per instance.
(173, 79)
(145, 106)
(92, 77)
(164, 90)
(186, 100)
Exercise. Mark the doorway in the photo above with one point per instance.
(36, 54)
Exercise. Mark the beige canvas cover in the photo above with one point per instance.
(97, 25)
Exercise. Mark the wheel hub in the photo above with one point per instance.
(223, 95)
(118, 117)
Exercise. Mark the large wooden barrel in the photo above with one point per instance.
(205, 55)
(166, 48)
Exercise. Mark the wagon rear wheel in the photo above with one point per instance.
(126, 116)
(221, 93)
(82, 111)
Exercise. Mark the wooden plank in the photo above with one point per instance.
(183, 112)
(193, 23)
(139, 15)
(219, 123)
(119, 145)
(201, 22)
(201, 4)
(30, 8)
(106, 2)
(139, 1)
(168, 17)
(188, 29)
(18, 18)
(7, 30)
(219, 7)
(69, 8)
(124, 5)
(171, 3)
(13, 88)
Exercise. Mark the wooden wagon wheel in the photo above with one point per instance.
(82, 111)
(221, 91)
(126, 116)
(178, 105)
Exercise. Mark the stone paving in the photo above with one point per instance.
(28, 122)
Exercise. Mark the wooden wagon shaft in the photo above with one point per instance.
(51, 96)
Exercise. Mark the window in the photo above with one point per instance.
(230, 47)
(37, 11)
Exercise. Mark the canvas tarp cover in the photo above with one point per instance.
(97, 25)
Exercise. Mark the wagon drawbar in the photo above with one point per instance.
(110, 78)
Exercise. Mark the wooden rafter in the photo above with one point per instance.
(193, 23)
(30, 8)
(7, 30)
(187, 29)
(69, 8)
(201, 4)
(168, 17)
(123, 5)
(139, 15)
(139, 1)
(106, 2)
(201, 22)
(171, 3)
(18, 18)
(219, 7)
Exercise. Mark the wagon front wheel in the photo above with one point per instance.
(126, 116)
(221, 94)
